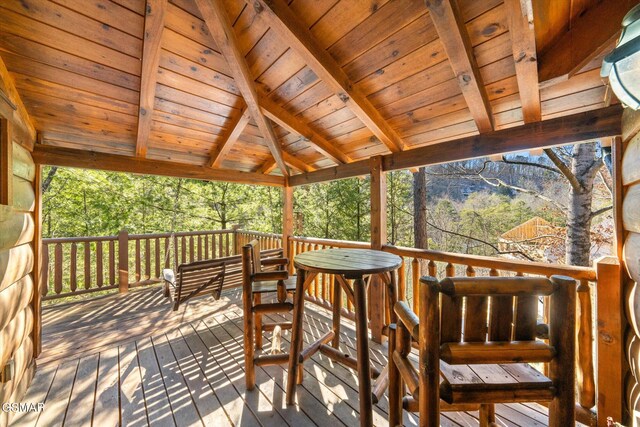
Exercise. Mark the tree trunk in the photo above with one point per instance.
(421, 240)
(584, 166)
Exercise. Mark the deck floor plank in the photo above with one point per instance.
(133, 408)
(153, 388)
(83, 393)
(131, 360)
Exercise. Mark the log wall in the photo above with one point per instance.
(17, 258)
(631, 254)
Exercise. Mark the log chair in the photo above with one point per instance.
(256, 282)
(474, 358)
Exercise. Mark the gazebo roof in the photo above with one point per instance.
(214, 86)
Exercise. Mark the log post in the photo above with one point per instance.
(610, 340)
(378, 239)
(287, 220)
(123, 261)
(237, 243)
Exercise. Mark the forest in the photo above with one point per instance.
(466, 206)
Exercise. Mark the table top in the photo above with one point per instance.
(353, 263)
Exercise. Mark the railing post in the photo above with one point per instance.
(287, 221)
(123, 261)
(236, 240)
(378, 238)
(610, 340)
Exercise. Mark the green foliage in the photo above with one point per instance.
(93, 203)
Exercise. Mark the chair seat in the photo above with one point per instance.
(271, 286)
(496, 383)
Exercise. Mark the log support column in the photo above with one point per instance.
(287, 222)
(378, 239)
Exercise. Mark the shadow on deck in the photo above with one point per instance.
(130, 360)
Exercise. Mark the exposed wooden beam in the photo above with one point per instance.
(290, 29)
(11, 107)
(153, 27)
(455, 39)
(223, 148)
(605, 122)
(297, 126)
(55, 156)
(267, 167)
(297, 163)
(217, 21)
(588, 37)
(523, 42)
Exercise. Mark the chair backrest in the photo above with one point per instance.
(501, 312)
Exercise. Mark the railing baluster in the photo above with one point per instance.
(87, 265)
(206, 246)
(199, 247)
(433, 268)
(450, 270)
(112, 262)
(99, 268)
(415, 279)
(184, 249)
(44, 286)
(138, 262)
(191, 249)
(226, 244)
(73, 259)
(147, 258)
(402, 281)
(157, 257)
(57, 277)
(220, 246)
(584, 351)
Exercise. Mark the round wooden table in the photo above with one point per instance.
(345, 265)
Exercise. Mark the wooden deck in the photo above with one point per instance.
(130, 360)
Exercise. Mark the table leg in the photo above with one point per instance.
(296, 337)
(364, 367)
(395, 381)
(337, 311)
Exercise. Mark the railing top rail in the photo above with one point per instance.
(530, 267)
(259, 234)
(178, 234)
(51, 240)
(331, 242)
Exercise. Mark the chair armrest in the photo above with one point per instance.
(270, 275)
(274, 261)
(407, 317)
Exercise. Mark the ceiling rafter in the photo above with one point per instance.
(523, 40)
(153, 27)
(284, 22)
(217, 21)
(224, 147)
(453, 34)
(578, 46)
(296, 163)
(297, 126)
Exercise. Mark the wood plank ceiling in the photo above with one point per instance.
(336, 80)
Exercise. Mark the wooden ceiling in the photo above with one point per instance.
(254, 85)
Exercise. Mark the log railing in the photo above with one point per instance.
(267, 240)
(83, 265)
